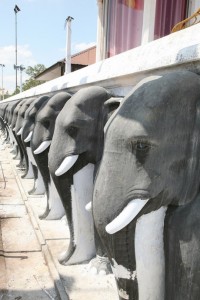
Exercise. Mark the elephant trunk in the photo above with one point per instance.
(136, 253)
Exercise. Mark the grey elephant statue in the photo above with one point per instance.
(146, 202)
(27, 131)
(73, 163)
(18, 131)
(40, 141)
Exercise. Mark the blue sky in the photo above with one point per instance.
(41, 33)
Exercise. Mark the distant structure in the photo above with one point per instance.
(78, 61)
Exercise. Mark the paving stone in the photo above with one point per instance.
(11, 200)
(6, 171)
(54, 229)
(10, 190)
(18, 235)
(28, 277)
(12, 211)
(38, 204)
(78, 282)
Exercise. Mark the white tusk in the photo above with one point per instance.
(43, 146)
(67, 163)
(126, 216)
(28, 138)
(88, 206)
(14, 129)
(19, 132)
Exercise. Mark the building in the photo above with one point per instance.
(126, 24)
(78, 61)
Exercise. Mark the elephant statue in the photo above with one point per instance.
(74, 161)
(22, 163)
(4, 121)
(18, 130)
(27, 131)
(40, 142)
(6, 117)
(146, 202)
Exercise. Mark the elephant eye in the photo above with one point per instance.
(46, 124)
(142, 146)
(72, 131)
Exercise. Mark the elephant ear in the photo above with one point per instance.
(112, 104)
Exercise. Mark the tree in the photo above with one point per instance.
(16, 91)
(33, 72)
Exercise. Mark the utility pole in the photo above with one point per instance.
(16, 10)
(68, 45)
(2, 90)
(21, 68)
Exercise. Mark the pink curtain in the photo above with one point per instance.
(125, 18)
(168, 13)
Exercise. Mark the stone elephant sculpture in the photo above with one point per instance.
(4, 120)
(22, 162)
(73, 162)
(40, 142)
(27, 131)
(146, 202)
(6, 117)
(18, 131)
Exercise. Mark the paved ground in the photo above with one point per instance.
(29, 247)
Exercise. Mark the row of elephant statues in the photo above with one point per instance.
(125, 171)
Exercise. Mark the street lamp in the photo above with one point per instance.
(16, 10)
(21, 68)
(2, 66)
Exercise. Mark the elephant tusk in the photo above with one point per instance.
(88, 206)
(19, 132)
(67, 163)
(28, 138)
(43, 146)
(14, 129)
(126, 216)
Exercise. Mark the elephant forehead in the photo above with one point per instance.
(46, 112)
(126, 128)
(74, 115)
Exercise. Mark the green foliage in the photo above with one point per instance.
(6, 95)
(33, 72)
(17, 91)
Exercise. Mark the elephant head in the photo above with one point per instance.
(21, 115)
(150, 163)
(45, 122)
(72, 161)
(15, 113)
(40, 141)
(27, 131)
(18, 131)
(29, 118)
